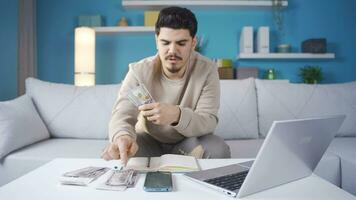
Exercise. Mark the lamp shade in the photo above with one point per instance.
(84, 58)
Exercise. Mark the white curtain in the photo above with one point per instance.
(27, 50)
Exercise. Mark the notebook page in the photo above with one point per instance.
(173, 162)
(137, 163)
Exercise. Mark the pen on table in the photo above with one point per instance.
(148, 162)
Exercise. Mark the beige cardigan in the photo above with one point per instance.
(199, 103)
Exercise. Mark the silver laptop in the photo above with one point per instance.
(291, 151)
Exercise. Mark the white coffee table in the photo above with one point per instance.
(42, 183)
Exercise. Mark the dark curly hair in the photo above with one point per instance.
(177, 18)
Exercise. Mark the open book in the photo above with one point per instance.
(166, 162)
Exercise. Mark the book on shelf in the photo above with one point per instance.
(246, 72)
(166, 162)
(226, 72)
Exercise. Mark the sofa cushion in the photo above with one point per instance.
(329, 168)
(73, 112)
(244, 148)
(29, 158)
(281, 101)
(348, 175)
(344, 147)
(238, 109)
(20, 125)
(50, 149)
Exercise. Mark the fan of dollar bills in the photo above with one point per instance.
(139, 95)
(118, 180)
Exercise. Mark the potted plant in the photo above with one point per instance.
(311, 74)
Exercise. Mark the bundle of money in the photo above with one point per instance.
(139, 95)
(82, 176)
(119, 180)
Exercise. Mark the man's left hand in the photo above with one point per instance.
(161, 113)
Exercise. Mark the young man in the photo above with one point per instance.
(186, 90)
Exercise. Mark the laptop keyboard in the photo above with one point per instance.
(230, 182)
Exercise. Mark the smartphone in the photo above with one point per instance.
(158, 182)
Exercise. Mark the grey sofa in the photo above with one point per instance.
(73, 122)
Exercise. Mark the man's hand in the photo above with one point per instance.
(161, 113)
(122, 148)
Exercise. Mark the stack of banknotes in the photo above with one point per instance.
(83, 176)
(118, 180)
(139, 95)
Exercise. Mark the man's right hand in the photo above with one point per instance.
(122, 148)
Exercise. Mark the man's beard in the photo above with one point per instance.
(174, 69)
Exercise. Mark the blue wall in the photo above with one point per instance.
(8, 49)
(332, 19)
(56, 21)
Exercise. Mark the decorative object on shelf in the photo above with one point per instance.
(123, 22)
(225, 68)
(223, 62)
(284, 48)
(277, 9)
(278, 19)
(314, 45)
(271, 74)
(246, 39)
(263, 39)
(201, 43)
(84, 56)
(226, 72)
(150, 18)
(246, 72)
(311, 74)
(90, 20)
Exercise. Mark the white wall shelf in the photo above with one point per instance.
(124, 29)
(215, 4)
(285, 56)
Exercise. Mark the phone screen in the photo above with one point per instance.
(158, 182)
